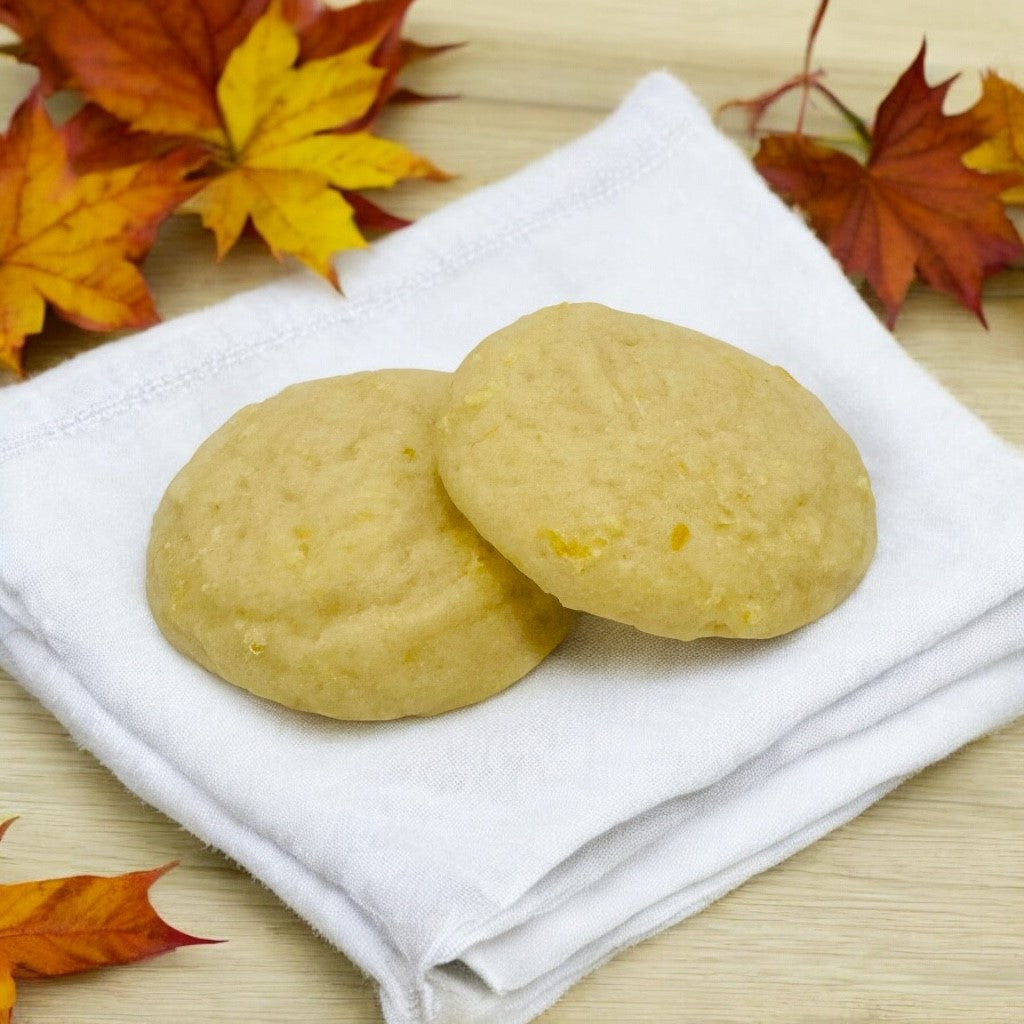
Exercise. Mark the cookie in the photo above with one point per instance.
(653, 475)
(309, 554)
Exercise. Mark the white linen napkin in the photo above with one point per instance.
(479, 863)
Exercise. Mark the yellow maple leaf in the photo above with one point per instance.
(282, 156)
(999, 114)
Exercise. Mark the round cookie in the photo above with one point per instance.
(644, 472)
(308, 553)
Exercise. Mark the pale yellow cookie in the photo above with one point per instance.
(650, 474)
(308, 553)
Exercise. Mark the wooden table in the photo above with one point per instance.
(914, 912)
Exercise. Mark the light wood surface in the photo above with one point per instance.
(914, 912)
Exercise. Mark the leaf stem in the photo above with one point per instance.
(857, 123)
(819, 16)
(758, 106)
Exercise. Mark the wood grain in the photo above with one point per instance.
(914, 912)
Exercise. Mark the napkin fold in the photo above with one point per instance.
(479, 863)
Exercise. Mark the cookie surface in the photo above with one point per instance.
(308, 553)
(650, 474)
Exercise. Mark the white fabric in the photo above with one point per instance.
(479, 863)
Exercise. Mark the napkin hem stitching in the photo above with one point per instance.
(553, 209)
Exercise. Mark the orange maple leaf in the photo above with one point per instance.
(8, 993)
(67, 925)
(72, 241)
(913, 208)
(999, 117)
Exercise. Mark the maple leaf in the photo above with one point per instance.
(912, 208)
(281, 163)
(326, 31)
(31, 48)
(8, 993)
(154, 65)
(67, 925)
(999, 117)
(72, 241)
(95, 140)
(280, 95)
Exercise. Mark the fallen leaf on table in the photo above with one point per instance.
(912, 208)
(259, 111)
(8, 993)
(25, 19)
(70, 241)
(95, 140)
(999, 117)
(67, 925)
(897, 200)
(326, 31)
(153, 74)
(281, 165)
(371, 218)
(148, 63)
(154, 65)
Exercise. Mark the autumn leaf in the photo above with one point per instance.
(282, 166)
(154, 65)
(326, 31)
(371, 218)
(72, 241)
(913, 208)
(8, 993)
(286, 134)
(95, 140)
(32, 47)
(67, 925)
(999, 117)
(260, 110)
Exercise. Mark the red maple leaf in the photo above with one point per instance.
(912, 208)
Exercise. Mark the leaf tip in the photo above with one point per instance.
(972, 302)
(439, 174)
(173, 937)
(11, 361)
(177, 939)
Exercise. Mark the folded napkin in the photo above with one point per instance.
(479, 863)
